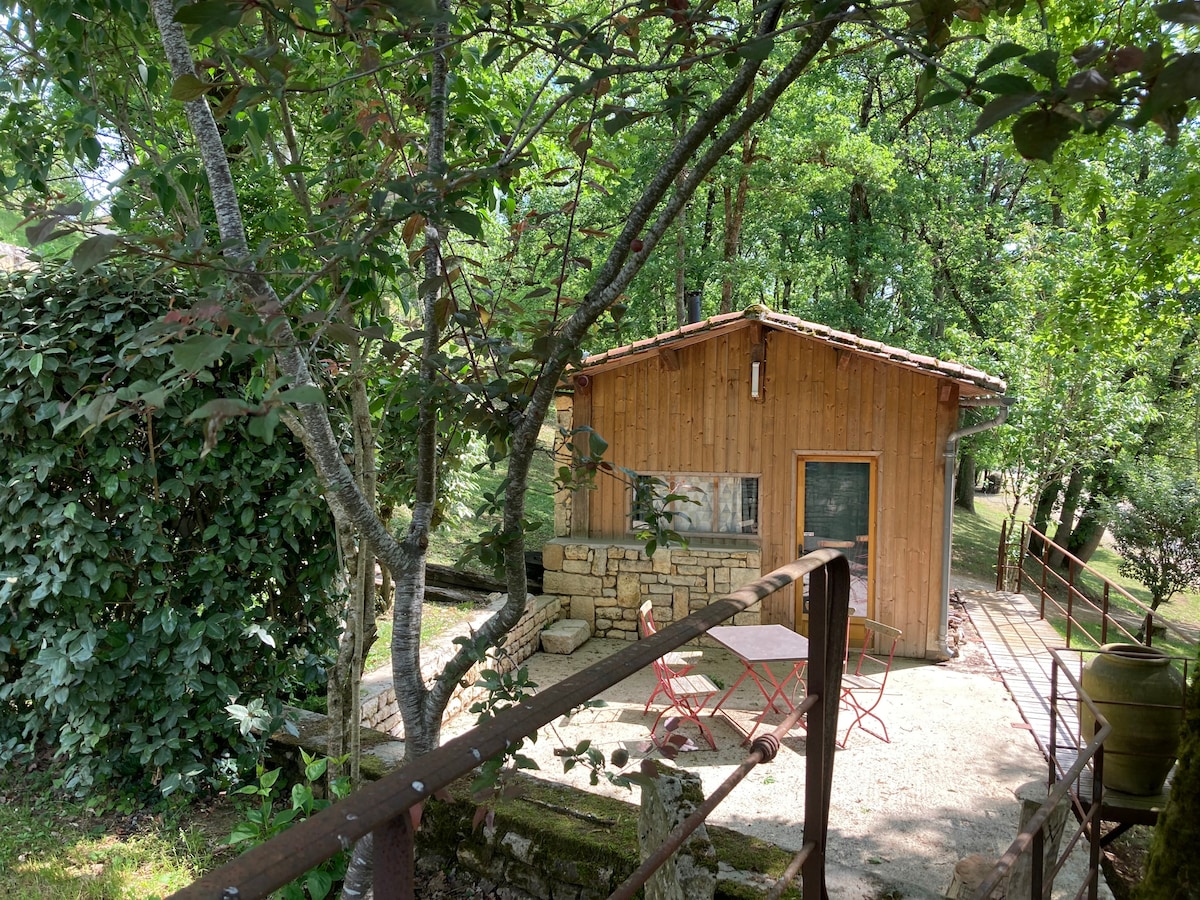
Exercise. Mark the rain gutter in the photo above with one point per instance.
(942, 650)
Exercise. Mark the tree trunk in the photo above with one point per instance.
(681, 310)
(1089, 530)
(858, 217)
(735, 214)
(964, 487)
(1042, 511)
(1066, 516)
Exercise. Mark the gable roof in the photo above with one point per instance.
(974, 382)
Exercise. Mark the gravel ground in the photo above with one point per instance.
(903, 813)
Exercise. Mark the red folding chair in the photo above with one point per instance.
(863, 688)
(674, 662)
(687, 694)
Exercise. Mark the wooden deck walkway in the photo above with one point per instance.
(1019, 643)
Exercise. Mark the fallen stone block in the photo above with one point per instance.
(565, 635)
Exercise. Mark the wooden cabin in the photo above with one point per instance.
(785, 436)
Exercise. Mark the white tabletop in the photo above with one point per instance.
(761, 643)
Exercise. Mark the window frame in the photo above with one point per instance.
(712, 483)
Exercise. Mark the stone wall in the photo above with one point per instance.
(379, 710)
(604, 582)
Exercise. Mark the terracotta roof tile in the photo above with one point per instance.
(978, 381)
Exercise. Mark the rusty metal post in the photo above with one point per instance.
(1044, 560)
(1021, 555)
(395, 860)
(1070, 600)
(1104, 616)
(828, 615)
(1002, 557)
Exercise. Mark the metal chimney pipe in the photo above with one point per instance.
(693, 307)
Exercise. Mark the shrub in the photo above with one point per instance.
(1158, 533)
(149, 591)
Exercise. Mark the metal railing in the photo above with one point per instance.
(1022, 567)
(382, 808)
(1084, 793)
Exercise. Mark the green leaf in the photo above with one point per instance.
(199, 351)
(35, 364)
(998, 54)
(222, 408)
(466, 222)
(188, 87)
(211, 16)
(1177, 83)
(1003, 83)
(596, 444)
(304, 393)
(92, 251)
(926, 81)
(319, 883)
(242, 832)
(1184, 13)
(1044, 62)
(941, 98)
(315, 770)
(1038, 133)
(1001, 108)
(757, 50)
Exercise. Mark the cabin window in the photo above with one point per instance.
(705, 504)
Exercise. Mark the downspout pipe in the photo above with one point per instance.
(942, 650)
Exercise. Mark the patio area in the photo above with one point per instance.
(903, 813)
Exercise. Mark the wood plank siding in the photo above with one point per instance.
(690, 410)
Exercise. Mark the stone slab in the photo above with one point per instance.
(565, 635)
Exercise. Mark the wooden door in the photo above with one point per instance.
(835, 508)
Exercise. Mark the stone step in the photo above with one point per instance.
(565, 635)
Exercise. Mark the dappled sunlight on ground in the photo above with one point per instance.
(905, 811)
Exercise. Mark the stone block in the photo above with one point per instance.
(577, 566)
(691, 872)
(600, 561)
(565, 635)
(577, 551)
(662, 562)
(629, 588)
(552, 557)
(568, 583)
(583, 608)
(741, 577)
(680, 598)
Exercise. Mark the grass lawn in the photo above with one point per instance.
(977, 539)
(53, 848)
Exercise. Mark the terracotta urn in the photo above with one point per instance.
(1140, 693)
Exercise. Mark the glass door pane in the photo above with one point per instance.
(836, 513)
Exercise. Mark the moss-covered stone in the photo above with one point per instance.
(579, 838)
